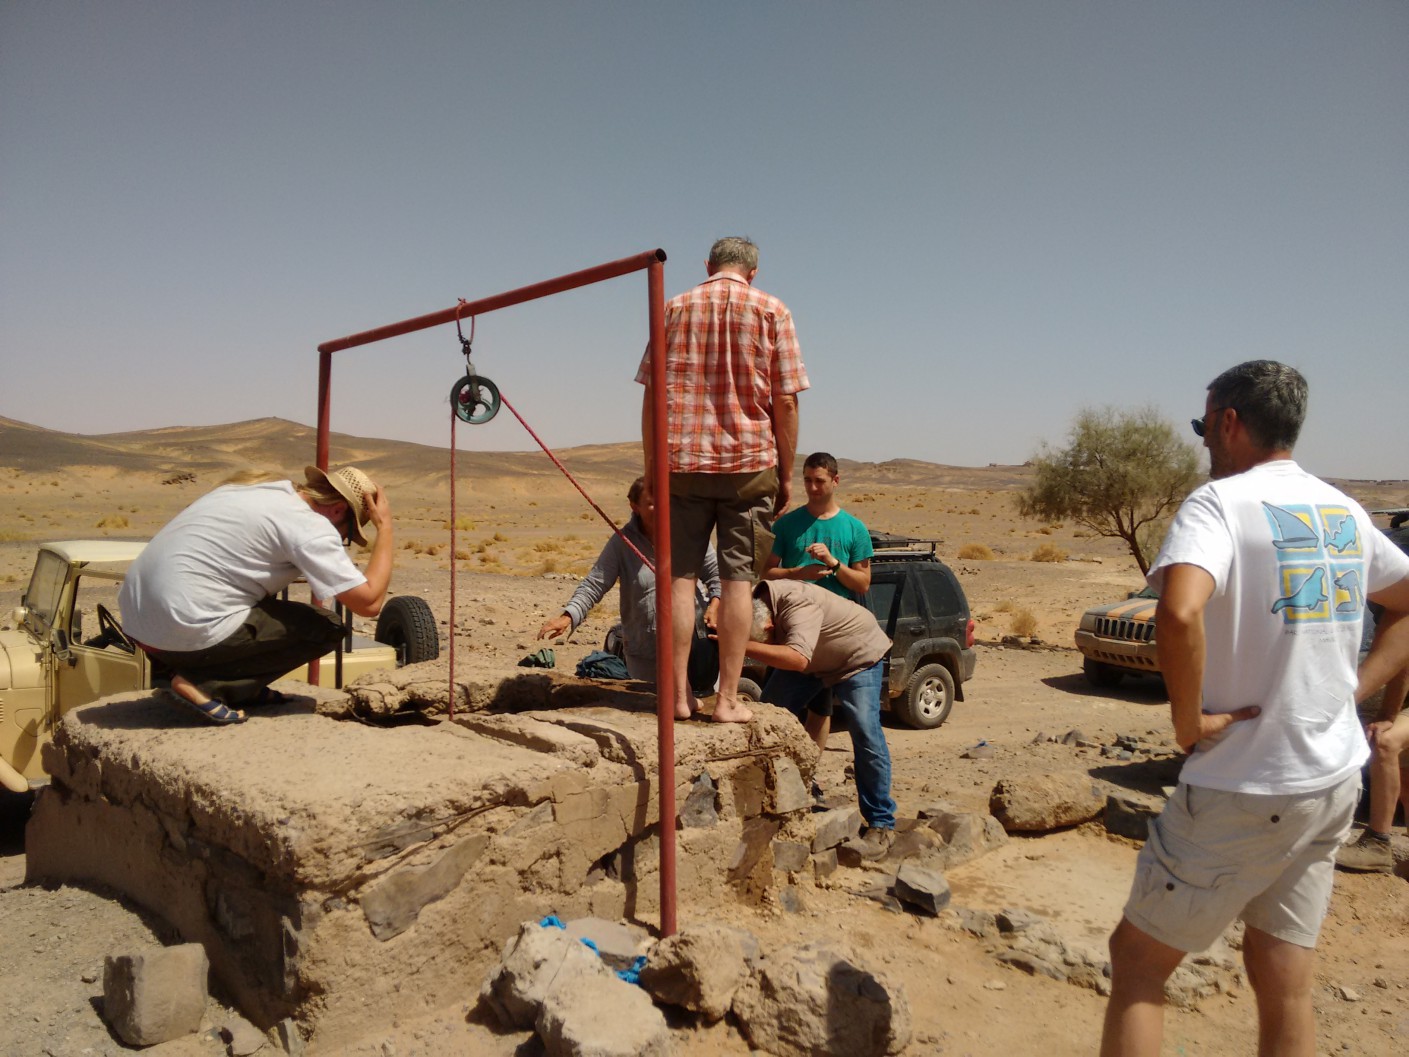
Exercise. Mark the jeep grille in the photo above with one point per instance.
(1128, 630)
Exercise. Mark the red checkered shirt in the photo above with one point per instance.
(730, 350)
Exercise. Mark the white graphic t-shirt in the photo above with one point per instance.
(1292, 559)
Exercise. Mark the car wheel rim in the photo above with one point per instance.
(931, 698)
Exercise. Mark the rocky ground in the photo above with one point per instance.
(964, 999)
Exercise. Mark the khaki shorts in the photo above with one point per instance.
(737, 505)
(1213, 857)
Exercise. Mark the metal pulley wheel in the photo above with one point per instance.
(475, 399)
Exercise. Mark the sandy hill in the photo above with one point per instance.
(213, 452)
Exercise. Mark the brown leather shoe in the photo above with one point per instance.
(1366, 855)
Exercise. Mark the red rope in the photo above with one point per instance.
(590, 502)
(451, 697)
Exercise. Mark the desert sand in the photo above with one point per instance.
(521, 538)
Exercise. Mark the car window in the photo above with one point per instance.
(45, 588)
(943, 599)
(89, 592)
(891, 597)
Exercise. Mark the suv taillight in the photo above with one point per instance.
(969, 635)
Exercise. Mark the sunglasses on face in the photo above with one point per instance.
(1200, 424)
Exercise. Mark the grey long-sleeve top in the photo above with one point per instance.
(618, 562)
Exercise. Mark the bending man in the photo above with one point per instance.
(200, 599)
(819, 644)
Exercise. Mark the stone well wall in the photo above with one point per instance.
(339, 873)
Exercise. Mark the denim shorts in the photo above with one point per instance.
(1213, 857)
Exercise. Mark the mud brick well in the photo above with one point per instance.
(335, 871)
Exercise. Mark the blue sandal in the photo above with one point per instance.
(214, 711)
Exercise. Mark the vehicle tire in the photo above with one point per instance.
(1102, 676)
(927, 699)
(407, 624)
(750, 690)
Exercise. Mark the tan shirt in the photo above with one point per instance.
(836, 636)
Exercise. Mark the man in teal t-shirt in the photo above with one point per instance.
(821, 542)
(825, 545)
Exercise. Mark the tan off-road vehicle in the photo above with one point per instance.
(51, 662)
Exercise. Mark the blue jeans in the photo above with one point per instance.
(859, 700)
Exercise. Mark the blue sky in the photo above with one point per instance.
(983, 215)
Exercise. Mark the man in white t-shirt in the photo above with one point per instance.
(1263, 578)
(200, 599)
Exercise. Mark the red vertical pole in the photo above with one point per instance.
(325, 415)
(665, 649)
(325, 406)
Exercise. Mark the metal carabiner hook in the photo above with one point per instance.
(475, 399)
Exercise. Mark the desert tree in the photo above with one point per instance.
(1121, 474)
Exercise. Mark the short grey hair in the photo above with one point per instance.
(762, 621)
(1270, 399)
(734, 252)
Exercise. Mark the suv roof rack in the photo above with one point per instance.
(888, 544)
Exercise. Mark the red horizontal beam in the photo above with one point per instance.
(572, 281)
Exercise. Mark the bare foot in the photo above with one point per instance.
(683, 711)
(735, 713)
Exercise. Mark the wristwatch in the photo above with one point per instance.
(834, 568)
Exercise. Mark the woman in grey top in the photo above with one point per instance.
(618, 562)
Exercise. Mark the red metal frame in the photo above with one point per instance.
(653, 262)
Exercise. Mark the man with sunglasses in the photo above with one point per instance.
(201, 597)
(1262, 581)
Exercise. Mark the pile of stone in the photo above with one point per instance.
(797, 1000)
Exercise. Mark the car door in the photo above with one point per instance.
(898, 609)
(89, 672)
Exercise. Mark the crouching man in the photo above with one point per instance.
(200, 599)
(826, 651)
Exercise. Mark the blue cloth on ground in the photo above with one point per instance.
(602, 665)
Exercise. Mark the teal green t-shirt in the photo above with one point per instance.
(845, 536)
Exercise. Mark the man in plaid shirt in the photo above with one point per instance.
(733, 371)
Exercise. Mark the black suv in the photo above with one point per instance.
(919, 603)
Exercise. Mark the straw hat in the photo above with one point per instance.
(354, 486)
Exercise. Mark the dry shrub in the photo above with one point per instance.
(499, 537)
(550, 565)
(1045, 530)
(461, 554)
(1049, 552)
(976, 552)
(547, 546)
(113, 521)
(463, 523)
(1023, 624)
(1005, 606)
